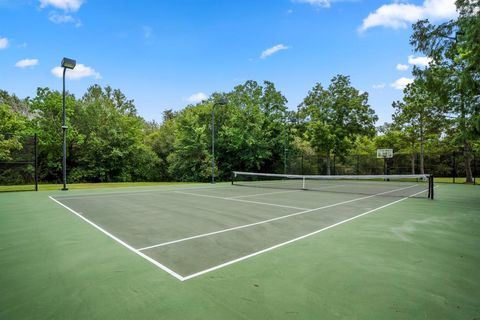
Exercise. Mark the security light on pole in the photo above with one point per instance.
(66, 64)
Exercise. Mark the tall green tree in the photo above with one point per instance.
(109, 140)
(454, 48)
(421, 114)
(334, 117)
(46, 107)
(161, 140)
(12, 124)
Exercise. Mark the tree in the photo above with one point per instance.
(454, 48)
(420, 114)
(161, 140)
(334, 117)
(190, 160)
(109, 140)
(11, 125)
(251, 132)
(47, 121)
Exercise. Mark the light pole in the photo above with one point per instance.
(221, 102)
(66, 64)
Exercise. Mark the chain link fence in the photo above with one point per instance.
(18, 162)
(446, 165)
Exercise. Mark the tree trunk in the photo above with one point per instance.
(467, 156)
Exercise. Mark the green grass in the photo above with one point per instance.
(417, 259)
(76, 186)
(459, 180)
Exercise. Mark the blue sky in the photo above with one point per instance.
(167, 54)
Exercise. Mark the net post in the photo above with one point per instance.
(303, 183)
(35, 154)
(232, 177)
(431, 186)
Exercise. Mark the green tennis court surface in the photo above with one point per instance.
(240, 252)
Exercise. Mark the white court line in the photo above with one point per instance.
(240, 200)
(158, 264)
(268, 220)
(115, 194)
(263, 194)
(292, 240)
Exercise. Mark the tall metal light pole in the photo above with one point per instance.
(221, 102)
(285, 145)
(66, 64)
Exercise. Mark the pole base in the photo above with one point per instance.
(64, 189)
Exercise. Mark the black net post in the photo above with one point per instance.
(432, 186)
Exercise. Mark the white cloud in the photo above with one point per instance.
(67, 5)
(401, 15)
(379, 86)
(3, 43)
(402, 67)
(401, 83)
(197, 97)
(80, 71)
(318, 3)
(419, 61)
(268, 52)
(63, 18)
(26, 63)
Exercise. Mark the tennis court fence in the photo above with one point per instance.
(18, 162)
(451, 165)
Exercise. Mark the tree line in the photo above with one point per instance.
(109, 141)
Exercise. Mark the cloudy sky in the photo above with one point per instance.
(167, 54)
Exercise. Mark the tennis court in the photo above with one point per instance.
(404, 258)
(191, 231)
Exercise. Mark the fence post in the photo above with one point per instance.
(334, 171)
(302, 163)
(35, 143)
(357, 165)
(454, 169)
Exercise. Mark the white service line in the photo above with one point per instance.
(129, 247)
(240, 200)
(292, 240)
(264, 194)
(270, 220)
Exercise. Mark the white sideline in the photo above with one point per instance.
(120, 193)
(292, 240)
(268, 220)
(158, 264)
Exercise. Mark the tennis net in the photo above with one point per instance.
(415, 185)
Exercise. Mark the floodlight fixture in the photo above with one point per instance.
(68, 63)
